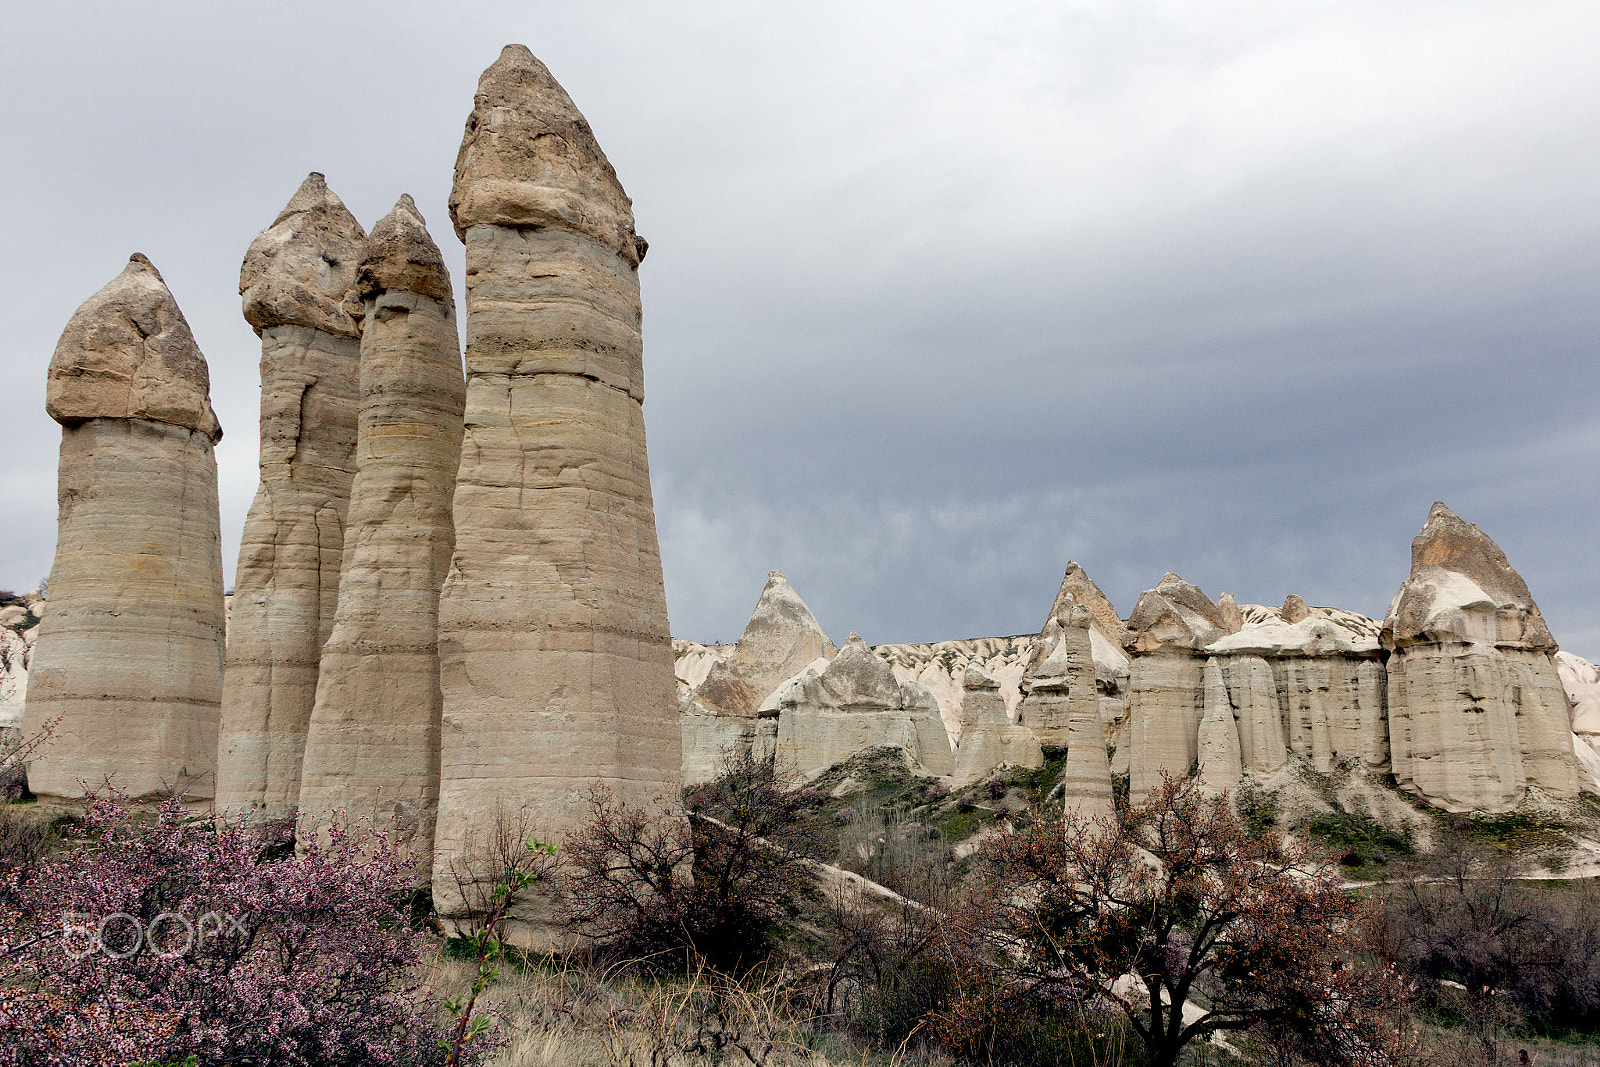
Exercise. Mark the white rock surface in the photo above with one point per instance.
(939, 666)
(988, 737)
(855, 703)
(692, 661)
(1476, 706)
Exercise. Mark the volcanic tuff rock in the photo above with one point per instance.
(130, 653)
(1476, 708)
(16, 649)
(1063, 705)
(780, 639)
(1581, 680)
(1063, 676)
(856, 703)
(1315, 685)
(988, 737)
(555, 659)
(939, 666)
(373, 740)
(1166, 700)
(293, 284)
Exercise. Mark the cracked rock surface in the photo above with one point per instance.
(293, 285)
(129, 655)
(555, 660)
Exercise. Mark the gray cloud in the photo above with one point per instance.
(939, 296)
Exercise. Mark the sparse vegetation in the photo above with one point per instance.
(983, 934)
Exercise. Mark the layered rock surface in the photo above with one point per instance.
(1476, 707)
(19, 629)
(988, 737)
(555, 660)
(779, 640)
(373, 741)
(1167, 630)
(130, 653)
(940, 667)
(1308, 681)
(833, 710)
(293, 284)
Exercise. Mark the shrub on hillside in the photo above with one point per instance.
(1172, 906)
(1524, 953)
(710, 883)
(170, 937)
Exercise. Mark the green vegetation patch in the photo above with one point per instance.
(1359, 840)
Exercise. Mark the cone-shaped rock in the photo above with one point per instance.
(780, 640)
(293, 283)
(1476, 708)
(130, 653)
(555, 659)
(373, 741)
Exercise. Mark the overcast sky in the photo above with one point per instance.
(939, 295)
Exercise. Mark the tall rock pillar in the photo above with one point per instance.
(129, 656)
(1477, 713)
(555, 660)
(294, 280)
(373, 742)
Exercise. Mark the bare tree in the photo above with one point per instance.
(1175, 917)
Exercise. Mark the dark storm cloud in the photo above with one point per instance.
(937, 298)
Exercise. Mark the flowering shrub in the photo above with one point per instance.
(166, 937)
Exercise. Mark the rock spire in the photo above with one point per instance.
(130, 653)
(1477, 712)
(293, 284)
(555, 659)
(373, 740)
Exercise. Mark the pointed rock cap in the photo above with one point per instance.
(298, 271)
(1077, 587)
(529, 159)
(1232, 617)
(976, 677)
(858, 678)
(1174, 616)
(128, 353)
(399, 255)
(780, 639)
(782, 628)
(1294, 609)
(1462, 588)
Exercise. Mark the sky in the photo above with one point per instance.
(939, 295)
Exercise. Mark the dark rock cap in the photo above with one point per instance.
(298, 271)
(529, 159)
(400, 255)
(128, 353)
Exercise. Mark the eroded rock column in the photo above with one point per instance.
(286, 587)
(373, 741)
(555, 660)
(129, 656)
(1476, 709)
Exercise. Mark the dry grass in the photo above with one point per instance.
(572, 1017)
